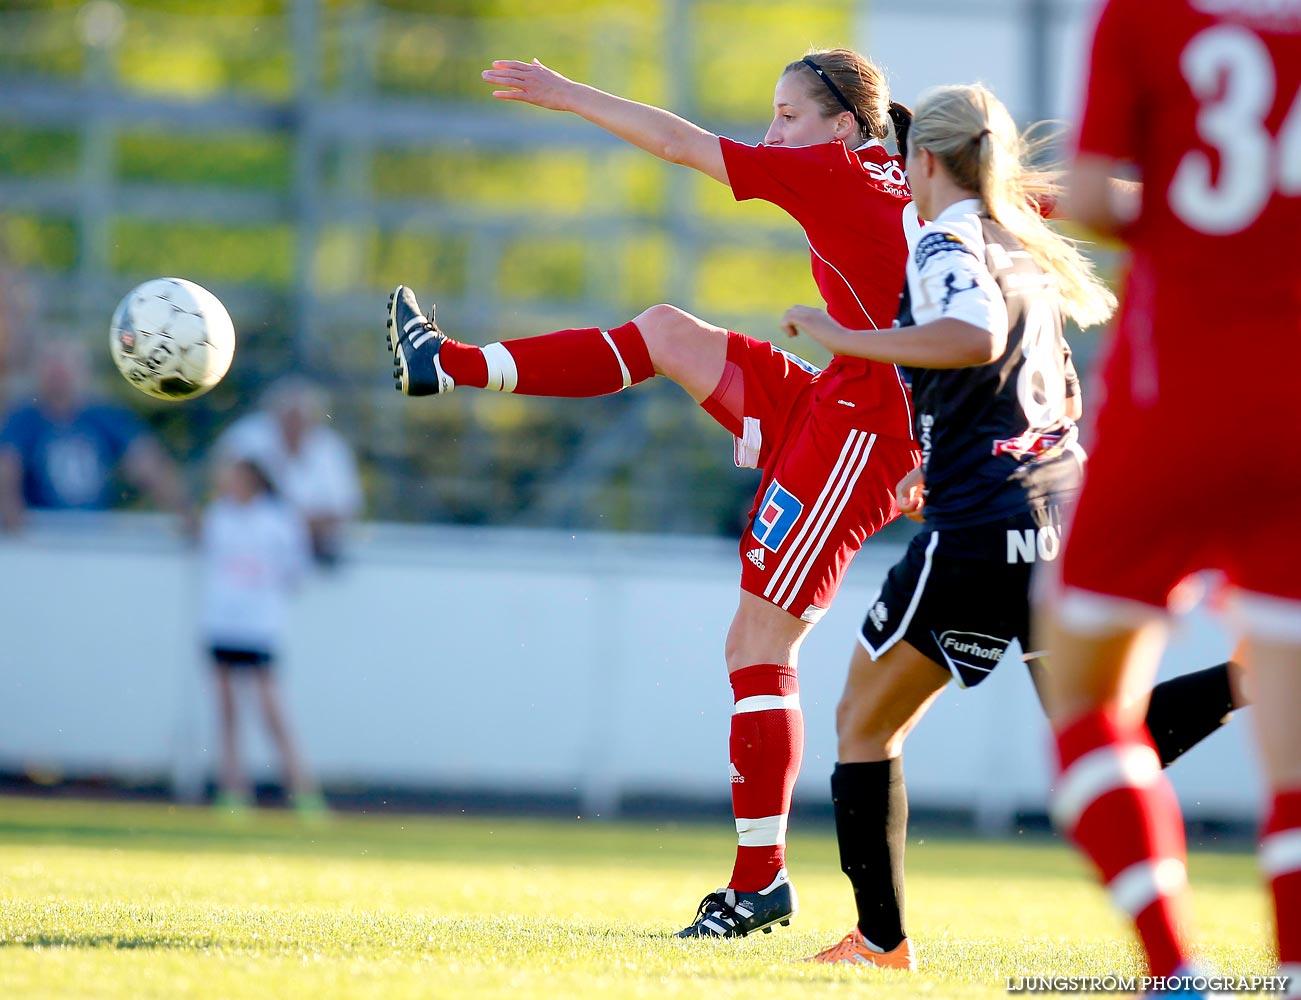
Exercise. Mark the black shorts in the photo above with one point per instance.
(961, 595)
(230, 658)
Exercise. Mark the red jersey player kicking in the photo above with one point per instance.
(832, 444)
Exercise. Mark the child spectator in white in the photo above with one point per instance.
(255, 550)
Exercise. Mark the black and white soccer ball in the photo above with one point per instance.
(172, 339)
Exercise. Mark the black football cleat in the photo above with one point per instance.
(415, 342)
(728, 913)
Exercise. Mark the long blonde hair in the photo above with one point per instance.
(971, 133)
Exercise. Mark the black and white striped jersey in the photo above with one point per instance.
(995, 438)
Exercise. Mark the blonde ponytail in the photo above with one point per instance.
(971, 133)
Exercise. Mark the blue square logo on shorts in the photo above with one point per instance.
(778, 512)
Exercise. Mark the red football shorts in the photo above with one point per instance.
(1191, 470)
(828, 480)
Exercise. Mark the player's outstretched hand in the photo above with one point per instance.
(910, 495)
(530, 82)
(811, 322)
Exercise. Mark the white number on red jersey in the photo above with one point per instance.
(1231, 73)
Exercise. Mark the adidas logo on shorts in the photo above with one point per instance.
(756, 556)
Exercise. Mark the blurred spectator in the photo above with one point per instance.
(311, 465)
(64, 450)
(254, 553)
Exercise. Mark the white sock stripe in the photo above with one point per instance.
(503, 375)
(764, 831)
(766, 703)
(1098, 772)
(1142, 884)
(1280, 853)
(627, 376)
(812, 533)
(832, 520)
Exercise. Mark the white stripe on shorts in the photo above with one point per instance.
(820, 520)
(746, 448)
(830, 523)
(918, 590)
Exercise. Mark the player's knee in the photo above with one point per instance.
(663, 328)
(865, 731)
(738, 653)
(660, 318)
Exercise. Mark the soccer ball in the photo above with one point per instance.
(171, 338)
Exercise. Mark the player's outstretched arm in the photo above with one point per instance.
(1099, 199)
(942, 343)
(659, 132)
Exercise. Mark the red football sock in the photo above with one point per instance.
(1280, 858)
(767, 744)
(1116, 803)
(570, 363)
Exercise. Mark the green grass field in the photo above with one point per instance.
(124, 901)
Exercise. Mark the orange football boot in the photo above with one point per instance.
(853, 949)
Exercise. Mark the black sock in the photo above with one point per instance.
(1187, 709)
(871, 807)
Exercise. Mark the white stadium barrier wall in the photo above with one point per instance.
(498, 661)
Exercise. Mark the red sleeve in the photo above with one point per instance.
(1109, 123)
(787, 176)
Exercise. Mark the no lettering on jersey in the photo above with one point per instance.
(998, 451)
(1198, 463)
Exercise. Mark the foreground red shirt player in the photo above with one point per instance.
(1196, 464)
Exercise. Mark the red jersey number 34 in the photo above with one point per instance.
(1231, 74)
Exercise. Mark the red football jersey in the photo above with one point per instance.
(1204, 97)
(853, 206)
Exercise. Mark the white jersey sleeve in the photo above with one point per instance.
(948, 277)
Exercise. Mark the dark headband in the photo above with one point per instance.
(835, 92)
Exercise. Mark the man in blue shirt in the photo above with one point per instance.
(62, 451)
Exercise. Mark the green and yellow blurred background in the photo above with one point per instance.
(300, 158)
